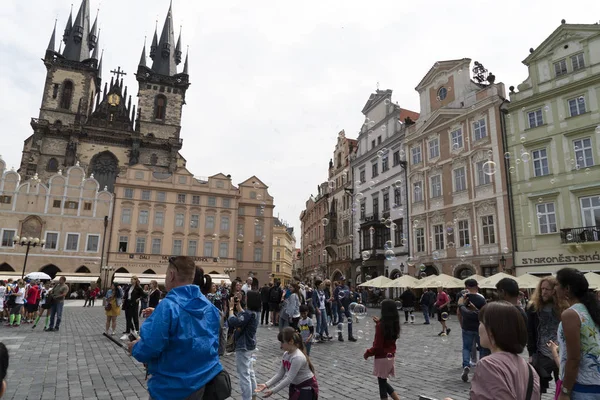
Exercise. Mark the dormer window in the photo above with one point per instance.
(560, 67)
(160, 106)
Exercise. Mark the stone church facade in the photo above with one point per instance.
(83, 119)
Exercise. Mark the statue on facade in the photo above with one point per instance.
(71, 154)
(134, 155)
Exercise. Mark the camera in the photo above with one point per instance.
(236, 300)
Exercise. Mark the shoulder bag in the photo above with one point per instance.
(529, 383)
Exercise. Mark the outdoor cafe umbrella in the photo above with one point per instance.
(527, 281)
(38, 276)
(478, 278)
(593, 280)
(378, 282)
(490, 283)
(405, 281)
(441, 280)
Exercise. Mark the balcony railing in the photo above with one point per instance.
(585, 234)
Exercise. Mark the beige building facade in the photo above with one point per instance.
(284, 244)
(314, 254)
(159, 215)
(458, 196)
(67, 214)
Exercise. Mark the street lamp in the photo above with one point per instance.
(106, 272)
(29, 242)
(229, 271)
(503, 262)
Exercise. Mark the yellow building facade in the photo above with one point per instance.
(284, 244)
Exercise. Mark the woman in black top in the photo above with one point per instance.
(154, 294)
(133, 294)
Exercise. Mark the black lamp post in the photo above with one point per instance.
(29, 242)
(503, 262)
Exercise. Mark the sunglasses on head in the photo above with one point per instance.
(172, 262)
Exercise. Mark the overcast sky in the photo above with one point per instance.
(273, 82)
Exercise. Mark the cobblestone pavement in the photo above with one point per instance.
(78, 362)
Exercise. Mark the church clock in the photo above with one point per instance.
(114, 99)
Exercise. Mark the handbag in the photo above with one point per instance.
(108, 306)
(230, 345)
(219, 388)
(529, 383)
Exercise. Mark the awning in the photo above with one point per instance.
(217, 278)
(124, 278)
(4, 276)
(78, 278)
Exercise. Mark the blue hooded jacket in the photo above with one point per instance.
(180, 344)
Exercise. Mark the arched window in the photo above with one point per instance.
(83, 270)
(149, 272)
(52, 165)
(67, 95)
(160, 106)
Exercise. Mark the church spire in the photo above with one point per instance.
(178, 49)
(69, 26)
(164, 60)
(185, 64)
(100, 65)
(93, 37)
(154, 44)
(52, 42)
(77, 44)
(96, 47)
(143, 57)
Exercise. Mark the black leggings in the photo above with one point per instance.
(384, 388)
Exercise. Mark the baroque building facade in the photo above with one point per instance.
(553, 152)
(284, 243)
(313, 221)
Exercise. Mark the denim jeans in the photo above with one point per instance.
(283, 322)
(425, 310)
(470, 337)
(322, 324)
(340, 321)
(334, 313)
(56, 311)
(245, 370)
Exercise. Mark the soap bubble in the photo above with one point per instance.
(445, 316)
(366, 255)
(389, 255)
(325, 221)
(489, 168)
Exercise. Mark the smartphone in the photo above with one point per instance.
(133, 336)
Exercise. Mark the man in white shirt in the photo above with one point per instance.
(246, 287)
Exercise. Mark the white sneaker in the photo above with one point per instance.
(124, 337)
(112, 333)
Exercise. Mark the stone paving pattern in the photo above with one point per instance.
(78, 362)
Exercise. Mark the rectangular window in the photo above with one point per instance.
(374, 170)
(386, 201)
(51, 241)
(182, 180)
(577, 62)
(224, 250)
(259, 211)
(92, 243)
(181, 198)
(140, 245)
(363, 176)
(560, 67)
(156, 245)
(373, 144)
(464, 239)
(210, 222)
(257, 254)
(7, 239)
(6, 200)
(177, 247)
(479, 129)
(192, 248)
(128, 193)
(397, 197)
(482, 177)
(161, 196)
(362, 210)
(146, 194)
(535, 118)
(126, 216)
(384, 164)
(224, 224)
(436, 186)
(72, 243)
(278, 255)
(240, 230)
(378, 139)
(460, 179)
(71, 205)
(420, 240)
(139, 175)
(487, 226)
(241, 211)
(196, 200)
(583, 152)
(159, 218)
(434, 148)
(253, 195)
(540, 162)
(546, 218)
(194, 221)
(56, 203)
(239, 253)
(577, 106)
(438, 236)
(417, 191)
(179, 220)
(226, 203)
(258, 231)
(123, 242)
(212, 201)
(457, 139)
(143, 217)
(416, 155)
(375, 206)
(396, 158)
(87, 206)
(277, 268)
(398, 234)
(208, 249)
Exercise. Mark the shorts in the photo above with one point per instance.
(31, 308)
(46, 306)
(16, 309)
(274, 307)
(440, 311)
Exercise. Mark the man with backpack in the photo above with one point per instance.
(468, 316)
(264, 299)
(275, 294)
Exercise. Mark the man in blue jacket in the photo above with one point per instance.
(180, 340)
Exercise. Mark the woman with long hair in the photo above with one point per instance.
(153, 294)
(112, 307)
(203, 281)
(131, 300)
(387, 331)
(293, 306)
(578, 337)
(296, 371)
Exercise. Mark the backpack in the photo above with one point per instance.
(275, 295)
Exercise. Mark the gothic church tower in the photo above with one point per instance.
(81, 122)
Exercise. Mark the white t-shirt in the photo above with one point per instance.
(321, 295)
(20, 299)
(2, 292)
(246, 288)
